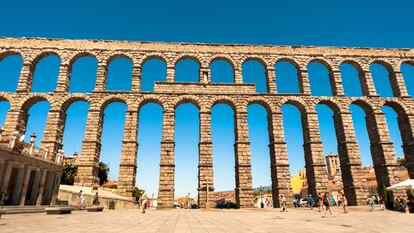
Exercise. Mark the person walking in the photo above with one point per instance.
(344, 202)
(283, 203)
(405, 205)
(370, 202)
(339, 199)
(95, 201)
(396, 204)
(144, 206)
(310, 201)
(320, 202)
(333, 200)
(327, 205)
(381, 203)
(81, 196)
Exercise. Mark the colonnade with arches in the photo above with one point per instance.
(138, 59)
(60, 99)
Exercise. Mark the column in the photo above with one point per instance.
(271, 79)
(88, 165)
(170, 73)
(43, 176)
(167, 164)
(52, 140)
(26, 77)
(406, 125)
(353, 176)
(244, 191)
(205, 163)
(304, 81)
(128, 164)
(238, 76)
(55, 188)
(398, 84)
(101, 72)
(367, 83)
(48, 190)
(5, 177)
(279, 159)
(3, 166)
(316, 173)
(136, 78)
(15, 120)
(62, 85)
(25, 185)
(15, 198)
(336, 83)
(382, 150)
(35, 187)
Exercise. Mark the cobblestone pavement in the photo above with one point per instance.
(246, 220)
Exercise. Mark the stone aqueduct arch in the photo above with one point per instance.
(170, 94)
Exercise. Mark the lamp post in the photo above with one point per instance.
(32, 143)
(188, 201)
(74, 157)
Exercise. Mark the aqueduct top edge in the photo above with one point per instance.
(46, 43)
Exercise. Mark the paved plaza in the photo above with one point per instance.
(246, 220)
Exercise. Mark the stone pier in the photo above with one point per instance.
(205, 94)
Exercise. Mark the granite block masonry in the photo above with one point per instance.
(205, 94)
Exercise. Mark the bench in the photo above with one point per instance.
(61, 203)
(59, 210)
(95, 208)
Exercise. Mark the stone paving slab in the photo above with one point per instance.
(223, 221)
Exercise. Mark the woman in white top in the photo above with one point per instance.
(283, 203)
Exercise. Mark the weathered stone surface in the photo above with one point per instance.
(205, 95)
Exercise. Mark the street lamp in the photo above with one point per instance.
(32, 144)
(33, 138)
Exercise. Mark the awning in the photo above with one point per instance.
(407, 184)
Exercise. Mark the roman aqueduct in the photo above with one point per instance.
(205, 94)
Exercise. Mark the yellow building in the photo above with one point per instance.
(298, 181)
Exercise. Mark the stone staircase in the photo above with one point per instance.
(22, 209)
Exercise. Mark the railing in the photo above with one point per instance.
(16, 143)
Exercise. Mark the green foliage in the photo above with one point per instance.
(257, 193)
(113, 186)
(386, 197)
(410, 193)
(138, 193)
(69, 173)
(401, 161)
(103, 173)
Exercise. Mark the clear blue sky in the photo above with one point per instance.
(333, 23)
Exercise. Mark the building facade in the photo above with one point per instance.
(28, 177)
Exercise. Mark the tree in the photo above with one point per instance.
(138, 193)
(386, 197)
(103, 173)
(69, 173)
(401, 161)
